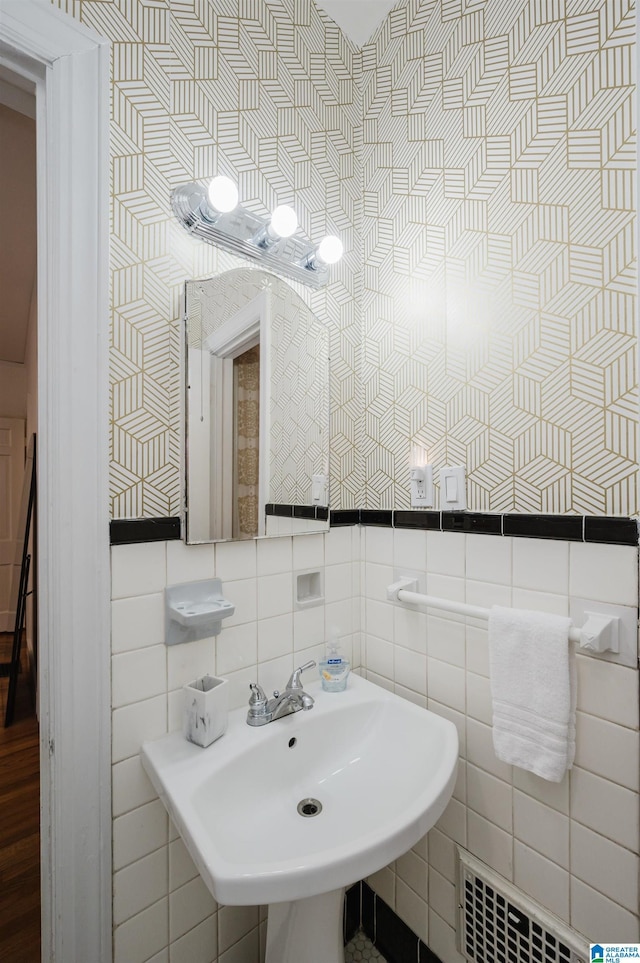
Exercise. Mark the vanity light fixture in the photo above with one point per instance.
(212, 213)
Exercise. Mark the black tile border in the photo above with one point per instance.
(472, 522)
(592, 529)
(613, 531)
(395, 940)
(567, 528)
(129, 531)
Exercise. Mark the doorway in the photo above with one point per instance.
(19, 740)
(67, 66)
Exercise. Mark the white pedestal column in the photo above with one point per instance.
(306, 929)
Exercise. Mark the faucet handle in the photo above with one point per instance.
(258, 696)
(294, 681)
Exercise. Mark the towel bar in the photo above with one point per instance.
(600, 633)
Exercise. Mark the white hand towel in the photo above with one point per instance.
(533, 685)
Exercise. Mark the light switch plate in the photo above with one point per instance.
(453, 488)
(319, 489)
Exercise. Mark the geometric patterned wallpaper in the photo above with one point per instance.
(260, 90)
(478, 160)
(499, 309)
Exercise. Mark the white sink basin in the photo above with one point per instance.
(382, 768)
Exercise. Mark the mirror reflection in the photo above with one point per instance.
(257, 409)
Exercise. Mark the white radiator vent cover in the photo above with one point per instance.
(497, 923)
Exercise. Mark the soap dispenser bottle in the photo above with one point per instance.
(334, 670)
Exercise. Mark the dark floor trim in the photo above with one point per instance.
(128, 531)
(394, 939)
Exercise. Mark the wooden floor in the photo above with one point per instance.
(19, 825)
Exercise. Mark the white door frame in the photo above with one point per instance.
(69, 66)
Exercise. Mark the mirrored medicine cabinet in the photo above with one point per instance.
(256, 411)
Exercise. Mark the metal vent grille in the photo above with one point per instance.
(499, 924)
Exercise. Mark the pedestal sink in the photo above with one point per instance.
(292, 812)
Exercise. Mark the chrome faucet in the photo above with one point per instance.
(292, 699)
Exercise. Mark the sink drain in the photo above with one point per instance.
(309, 807)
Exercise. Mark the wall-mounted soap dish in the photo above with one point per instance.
(195, 610)
(308, 588)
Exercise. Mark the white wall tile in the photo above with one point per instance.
(188, 906)
(275, 595)
(138, 569)
(540, 601)
(479, 703)
(410, 628)
(442, 897)
(234, 922)
(138, 675)
(379, 619)
(446, 684)
(446, 639)
(442, 939)
(477, 650)
(412, 910)
(236, 560)
(553, 794)
(545, 881)
(137, 622)
(245, 950)
(446, 553)
(139, 833)
(308, 551)
(376, 579)
(442, 855)
(378, 544)
(486, 594)
(244, 595)
(139, 885)
(275, 637)
(337, 582)
(541, 828)
(384, 884)
(605, 866)
(489, 797)
(274, 674)
(131, 787)
(198, 945)
(189, 563)
(608, 750)
(489, 559)
(379, 656)
(490, 844)
(600, 919)
(132, 725)
(607, 690)
(144, 935)
(410, 669)
(236, 647)
(445, 587)
(453, 822)
(181, 866)
(338, 619)
(413, 871)
(605, 807)
(608, 573)
(541, 565)
(337, 546)
(410, 550)
(275, 555)
(190, 661)
(308, 627)
(481, 753)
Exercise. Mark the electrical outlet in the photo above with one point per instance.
(421, 486)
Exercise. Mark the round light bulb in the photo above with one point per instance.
(223, 194)
(284, 221)
(330, 249)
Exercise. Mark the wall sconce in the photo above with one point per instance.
(214, 215)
